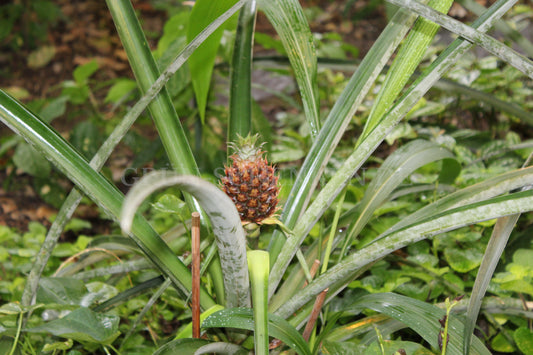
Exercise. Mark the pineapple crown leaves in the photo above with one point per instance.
(246, 148)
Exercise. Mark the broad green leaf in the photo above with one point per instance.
(421, 317)
(523, 338)
(290, 23)
(84, 72)
(524, 258)
(41, 56)
(83, 325)
(518, 286)
(121, 90)
(345, 348)
(463, 260)
(86, 138)
(501, 344)
(225, 220)
(10, 308)
(63, 345)
(242, 318)
(54, 108)
(170, 204)
(61, 290)
(202, 60)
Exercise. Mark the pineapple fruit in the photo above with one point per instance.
(251, 182)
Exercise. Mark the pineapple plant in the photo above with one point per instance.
(250, 181)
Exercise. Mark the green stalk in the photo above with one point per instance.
(259, 265)
(337, 121)
(96, 186)
(240, 105)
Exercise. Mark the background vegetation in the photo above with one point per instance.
(403, 170)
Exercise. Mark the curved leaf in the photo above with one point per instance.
(396, 168)
(242, 318)
(227, 228)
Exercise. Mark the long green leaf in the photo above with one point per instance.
(203, 59)
(409, 57)
(146, 72)
(430, 226)
(337, 121)
(97, 187)
(290, 23)
(225, 220)
(240, 104)
(242, 318)
(422, 317)
(491, 257)
(502, 26)
(343, 175)
(470, 33)
(486, 189)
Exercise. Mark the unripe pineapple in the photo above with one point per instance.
(251, 181)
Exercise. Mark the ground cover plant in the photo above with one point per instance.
(393, 215)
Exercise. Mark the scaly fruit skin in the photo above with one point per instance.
(251, 182)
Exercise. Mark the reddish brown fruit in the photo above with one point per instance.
(251, 182)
